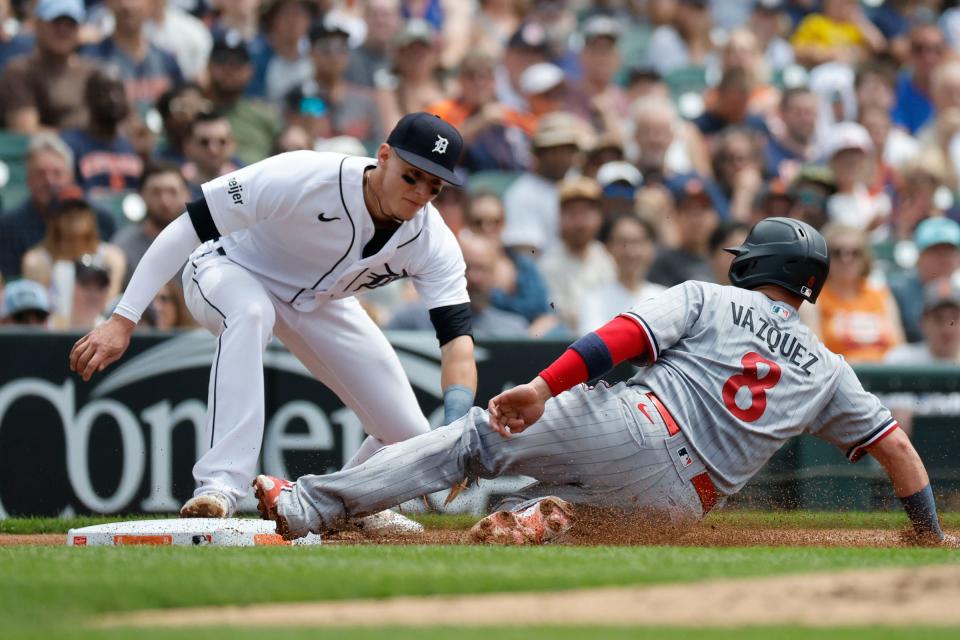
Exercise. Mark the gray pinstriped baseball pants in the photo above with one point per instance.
(593, 446)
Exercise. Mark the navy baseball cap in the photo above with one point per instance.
(430, 144)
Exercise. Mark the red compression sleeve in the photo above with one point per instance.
(623, 340)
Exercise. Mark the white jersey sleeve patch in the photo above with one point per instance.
(267, 189)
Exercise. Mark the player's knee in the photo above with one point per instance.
(257, 315)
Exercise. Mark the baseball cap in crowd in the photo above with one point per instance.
(774, 189)
(305, 99)
(68, 197)
(229, 47)
(530, 36)
(690, 187)
(429, 143)
(91, 269)
(347, 145)
(414, 30)
(557, 129)
(328, 28)
(50, 10)
(939, 293)
(601, 26)
(21, 296)
(540, 77)
(848, 135)
(580, 188)
(619, 179)
(934, 231)
(772, 6)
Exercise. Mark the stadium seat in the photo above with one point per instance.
(13, 172)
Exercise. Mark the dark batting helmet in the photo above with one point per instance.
(785, 252)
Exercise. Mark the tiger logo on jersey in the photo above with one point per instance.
(376, 280)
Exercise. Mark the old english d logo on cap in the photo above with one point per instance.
(429, 143)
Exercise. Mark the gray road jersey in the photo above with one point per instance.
(741, 374)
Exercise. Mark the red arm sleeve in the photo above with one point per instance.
(596, 353)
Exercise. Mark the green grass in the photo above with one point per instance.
(55, 588)
(48, 592)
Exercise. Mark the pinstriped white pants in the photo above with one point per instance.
(589, 447)
(337, 342)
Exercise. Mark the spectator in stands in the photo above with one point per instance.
(604, 148)
(792, 141)
(480, 255)
(287, 63)
(811, 189)
(170, 310)
(526, 47)
(70, 235)
(654, 205)
(849, 151)
(496, 137)
(729, 233)
(92, 292)
(255, 124)
(14, 39)
(769, 24)
(349, 109)
(49, 170)
(531, 202)
(881, 173)
(292, 138)
(942, 128)
(383, 21)
(840, 32)
(774, 200)
(518, 286)
(146, 70)
(44, 90)
(854, 316)
(414, 82)
(493, 24)
(600, 61)
(210, 148)
(178, 108)
(922, 193)
(939, 326)
(619, 181)
(105, 161)
(940, 345)
(180, 34)
(632, 245)
(164, 193)
(546, 90)
(731, 107)
(914, 108)
(738, 168)
(25, 304)
(742, 52)
(666, 145)
(686, 41)
(695, 219)
(579, 262)
(938, 243)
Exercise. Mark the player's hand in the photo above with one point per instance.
(516, 409)
(101, 347)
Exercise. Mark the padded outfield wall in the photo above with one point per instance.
(126, 441)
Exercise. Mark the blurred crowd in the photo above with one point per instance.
(613, 148)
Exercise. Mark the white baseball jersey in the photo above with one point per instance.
(298, 221)
(741, 374)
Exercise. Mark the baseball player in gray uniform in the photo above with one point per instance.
(731, 374)
(281, 248)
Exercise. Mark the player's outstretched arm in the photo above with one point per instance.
(516, 409)
(912, 485)
(101, 347)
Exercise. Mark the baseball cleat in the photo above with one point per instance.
(545, 520)
(207, 505)
(267, 489)
(387, 523)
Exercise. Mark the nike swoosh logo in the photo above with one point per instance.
(322, 218)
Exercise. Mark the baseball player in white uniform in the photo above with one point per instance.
(731, 374)
(281, 248)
